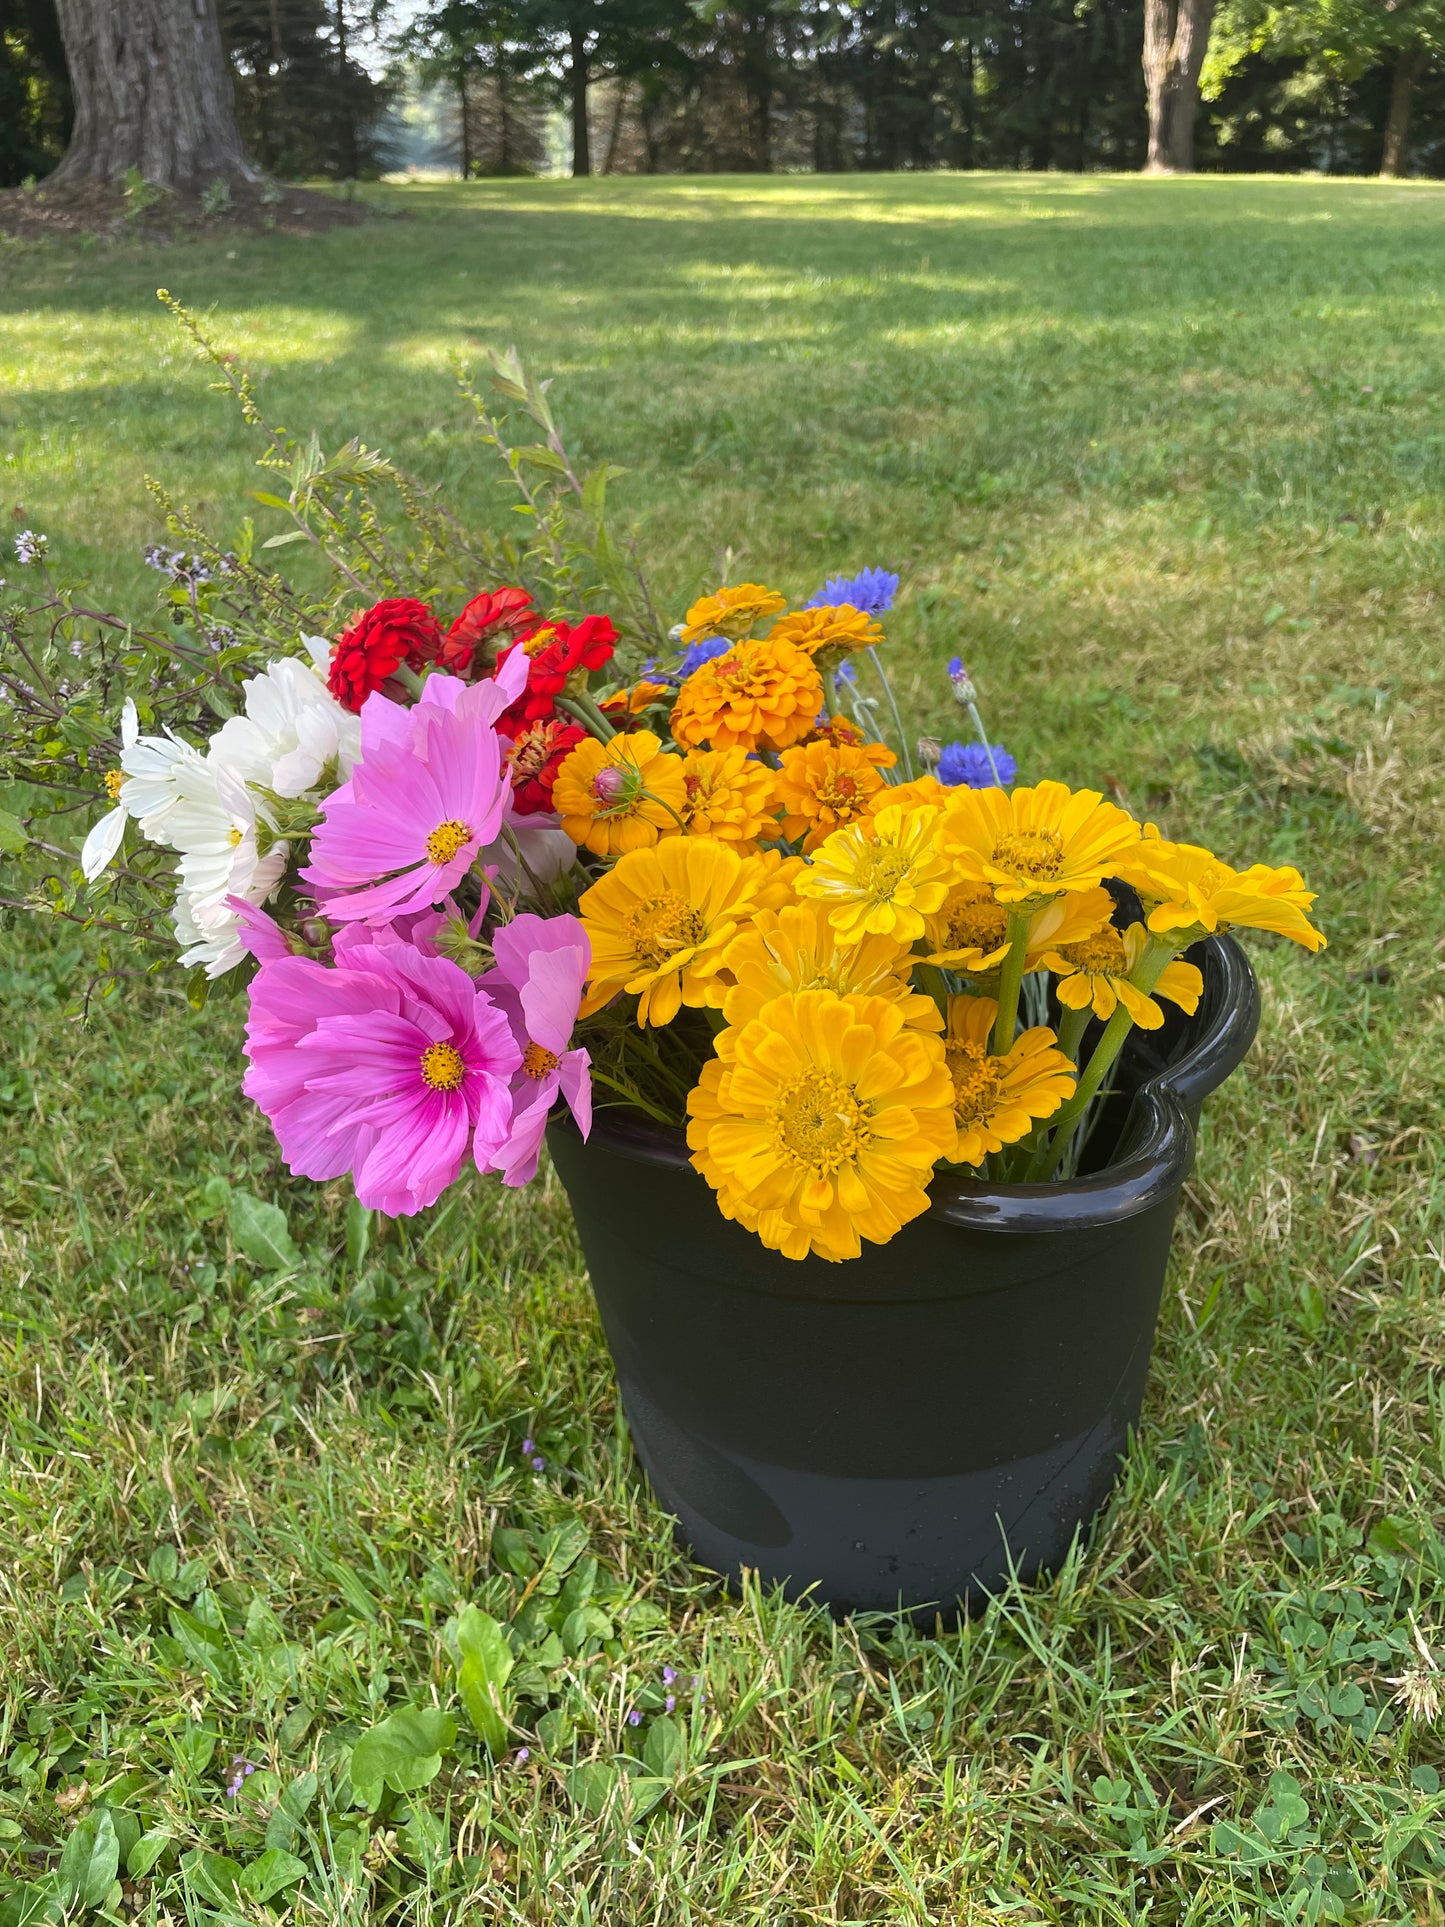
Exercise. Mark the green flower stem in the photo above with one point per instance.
(1010, 979)
(930, 980)
(983, 741)
(1145, 975)
(583, 710)
(1072, 1026)
(904, 752)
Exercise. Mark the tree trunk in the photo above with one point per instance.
(1408, 69)
(346, 105)
(466, 118)
(757, 65)
(152, 92)
(1176, 36)
(581, 144)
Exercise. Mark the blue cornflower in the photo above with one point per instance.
(871, 590)
(968, 763)
(697, 653)
(963, 688)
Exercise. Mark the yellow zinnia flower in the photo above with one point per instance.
(924, 792)
(760, 695)
(829, 632)
(658, 923)
(775, 878)
(1034, 844)
(880, 875)
(784, 951)
(728, 796)
(1188, 892)
(821, 787)
(998, 1100)
(1095, 974)
(731, 612)
(825, 1124)
(969, 933)
(619, 796)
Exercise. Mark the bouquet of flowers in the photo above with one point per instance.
(547, 857)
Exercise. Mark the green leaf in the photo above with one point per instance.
(512, 1550)
(274, 1870)
(146, 1852)
(280, 541)
(403, 1752)
(90, 1861)
(588, 1622)
(261, 1232)
(270, 501)
(163, 1565)
(486, 1666)
(1347, 1701)
(215, 1875)
(662, 1753)
(593, 1784)
(215, 1199)
(13, 834)
(36, 1901)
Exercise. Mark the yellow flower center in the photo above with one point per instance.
(534, 645)
(882, 867)
(530, 751)
(978, 924)
(820, 1122)
(233, 836)
(113, 780)
(442, 1067)
(538, 1062)
(445, 840)
(1030, 853)
(1101, 955)
(663, 925)
(976, 1082)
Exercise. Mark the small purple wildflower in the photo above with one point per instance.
(669, 1702)
(697, 653)
(30, 547)
(968, 764)
(539, 1464)
(241, 1771)
(529, 1446)
(634, 1718)
(669, 1674)
(871, 590)
(963, 689)
(521, 1756)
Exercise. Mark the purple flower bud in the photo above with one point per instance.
(521, 1756)
(539, 1465)
(669, 1674)
(529, 1446)
(963, 689)
(608, 784)
(669, 1702)
(634, 1718)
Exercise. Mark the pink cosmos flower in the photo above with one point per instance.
(391, 1066)
(541, 967)
(430, 791)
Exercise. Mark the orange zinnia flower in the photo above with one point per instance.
(760, 695)
(821, 788)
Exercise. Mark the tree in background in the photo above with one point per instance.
(488, 55)
(1176, 38)
(152, 93)
(1341, 42)
(35, 109)
(304, 104)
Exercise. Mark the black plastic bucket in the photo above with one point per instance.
(901, 1428)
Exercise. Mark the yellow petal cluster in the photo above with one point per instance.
(880, 875)
(759, 695)
(821, 786)
(1187, 891)
(659, 921)
(831, 631)
(619, 796)
(785, 951)
(1031, 845)
(998, 1099)
(728, 795)
(823, 1126)
(731, 612)
(1094, 975)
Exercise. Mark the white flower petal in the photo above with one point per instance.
(97, 853)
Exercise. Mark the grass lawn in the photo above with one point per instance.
(1163, 460)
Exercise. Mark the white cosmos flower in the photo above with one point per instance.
(97, 853)
(214, 827)
(292, 729)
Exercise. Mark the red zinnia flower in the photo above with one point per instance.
(535, 757)
(556, 651)
(399, 629)
(495, 610)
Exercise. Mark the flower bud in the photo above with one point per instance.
(929, 751)
(963, 687)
